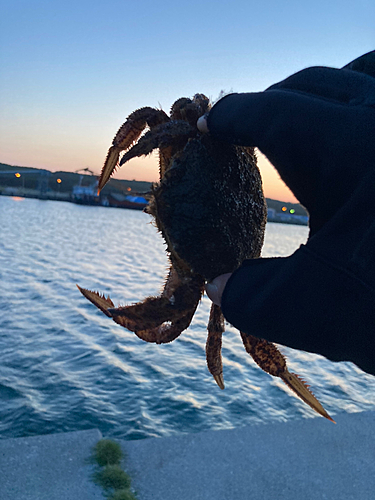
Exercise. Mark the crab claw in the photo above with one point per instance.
(111, 162)
(100, 301)
(106, 305)
(127, 134)
(157, 319)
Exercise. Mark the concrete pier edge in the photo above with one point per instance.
(301, 459)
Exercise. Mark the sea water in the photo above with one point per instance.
(65, 366)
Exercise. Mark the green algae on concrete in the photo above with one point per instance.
(108, 452)
(111, 477)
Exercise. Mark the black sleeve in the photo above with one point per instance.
(307, 303)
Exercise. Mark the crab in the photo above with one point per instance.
(210, 209)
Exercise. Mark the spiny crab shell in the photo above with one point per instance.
(209, 207)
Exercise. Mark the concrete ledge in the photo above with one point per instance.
(50, 467)
(305, 459)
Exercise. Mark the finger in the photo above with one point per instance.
(215, 288)
(202, 124)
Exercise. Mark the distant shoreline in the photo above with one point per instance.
(280, 218)
(81, 188)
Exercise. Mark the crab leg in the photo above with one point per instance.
(270, 359)
(167, 332)
(213, 345)
(172, 133)
(127, 134)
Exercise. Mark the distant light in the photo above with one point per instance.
(284, 209)
(292, 210)
(129, 189)
(58, 181)
(17, 174)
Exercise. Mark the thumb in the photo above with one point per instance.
(202, 124)
(215, 288)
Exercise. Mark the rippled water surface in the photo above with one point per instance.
(65, 366)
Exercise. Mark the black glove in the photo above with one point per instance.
(317, 128)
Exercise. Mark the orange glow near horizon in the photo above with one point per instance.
(273, 186)
(146, 169)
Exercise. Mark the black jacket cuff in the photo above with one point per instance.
(316, 306)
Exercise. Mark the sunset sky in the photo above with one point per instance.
(70, 72)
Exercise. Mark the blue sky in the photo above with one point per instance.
(70, 72)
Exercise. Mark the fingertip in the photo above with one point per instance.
(213, 293)
(215, 288)
(202, 124)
